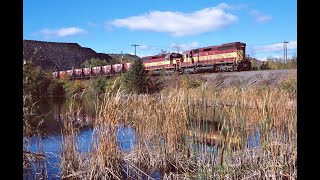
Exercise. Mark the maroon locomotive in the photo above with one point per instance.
(226, 57)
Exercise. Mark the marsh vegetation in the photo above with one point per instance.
(192, 133)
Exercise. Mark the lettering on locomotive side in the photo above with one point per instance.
(156, 63)
(218, 56)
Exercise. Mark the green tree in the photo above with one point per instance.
(99, 85)
(135, 80)
(35, 81)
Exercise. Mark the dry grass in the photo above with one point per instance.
(173, 127)
(34, 163)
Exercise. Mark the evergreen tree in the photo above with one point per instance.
(135, 80)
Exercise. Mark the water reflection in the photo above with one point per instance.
(55, 110)
(51, 139)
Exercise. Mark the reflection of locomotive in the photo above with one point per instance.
(226, 57)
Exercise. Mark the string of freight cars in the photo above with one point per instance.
(224, 57)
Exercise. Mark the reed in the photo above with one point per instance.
(198, 133)
(34, 162)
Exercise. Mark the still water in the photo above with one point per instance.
(50, 140)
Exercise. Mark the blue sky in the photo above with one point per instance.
(112, 26)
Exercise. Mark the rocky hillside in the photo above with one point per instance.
(62, 56)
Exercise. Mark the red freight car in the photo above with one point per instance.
(87, 72)
(96, 70)
(70, 73)
(117, 68)
(106, 70)
(78, 73)
(126, 67)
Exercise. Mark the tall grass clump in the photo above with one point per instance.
(192, 133)
(34, 159)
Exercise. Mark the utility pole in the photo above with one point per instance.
(121, 57)
(135, 47)
(285, 55)
(121, 63)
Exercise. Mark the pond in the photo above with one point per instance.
(50, 138)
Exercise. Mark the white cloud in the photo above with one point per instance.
(179, 23)
(291, 45)
(62, 32)
(185, 46)
(260, 17)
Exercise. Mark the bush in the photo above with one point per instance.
(187, 83)
(289, 84)
(99, 85)
(155, 85)
(36, 82)
(73, 87)
(278, 63)
(265, 66)
(113, 85)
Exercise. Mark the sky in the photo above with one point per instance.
(114, 26)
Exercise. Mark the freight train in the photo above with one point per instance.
(225, 57)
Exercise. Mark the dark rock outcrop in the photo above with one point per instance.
(57, 55)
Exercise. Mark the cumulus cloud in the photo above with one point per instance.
(185, 46)
(260, 17)
(291, 45)
(62, 32)
(179, 23)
